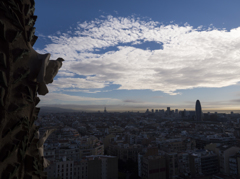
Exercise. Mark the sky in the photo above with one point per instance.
(138, 54)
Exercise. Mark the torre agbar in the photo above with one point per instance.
(198, 110)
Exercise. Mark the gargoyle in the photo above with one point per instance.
(43, 70)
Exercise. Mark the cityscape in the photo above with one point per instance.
(107, 89)
(159, 143)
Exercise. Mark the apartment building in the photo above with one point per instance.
(80, 169)
(172, 165)
(125, 151)
(153, 167)
(234, 165)
(89, 167)
(209, 163)
(60, 169)
(173, 145)
(184, 165)
(102, 167)
(225, 152)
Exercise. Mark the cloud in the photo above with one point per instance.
(214, 104)
(190, 58)
(61, 73)
(235, 101)
(74, 83)
(64, 99)
(132, 101)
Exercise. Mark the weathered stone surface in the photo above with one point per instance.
(24, 74)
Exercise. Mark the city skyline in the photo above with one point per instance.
(90, 109)
(127, 56)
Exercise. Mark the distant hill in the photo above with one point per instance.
(45, 109)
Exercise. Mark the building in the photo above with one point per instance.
(168, 111)
(198, 110)
(153, 167)
(224, 152)
(102, 166)
(125, 151)
(233, 165)
(60, 169)
(172, 165)
(209, 163)
(80, 169)
(173, 145)
(94, 167)
(184, 166)
(195, 164)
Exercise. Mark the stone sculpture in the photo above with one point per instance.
(24, 73)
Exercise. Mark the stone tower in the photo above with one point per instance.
(23, 74)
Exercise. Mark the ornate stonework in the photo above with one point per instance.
(23, 74)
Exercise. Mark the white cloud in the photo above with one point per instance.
(62, 73)
(190, 58)
(76, 83)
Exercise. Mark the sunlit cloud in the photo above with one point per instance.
(190, 57)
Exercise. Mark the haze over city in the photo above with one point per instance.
(134, 55)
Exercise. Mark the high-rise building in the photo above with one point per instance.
(198, 111)
(176, 111)
(105, 110)
(168, 110)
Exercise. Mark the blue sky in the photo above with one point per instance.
(135, 54)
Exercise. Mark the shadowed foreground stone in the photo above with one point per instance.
(23, 74)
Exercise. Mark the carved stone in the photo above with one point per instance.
(24, 73)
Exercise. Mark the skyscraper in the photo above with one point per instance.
(168, 111)
(198, 110)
